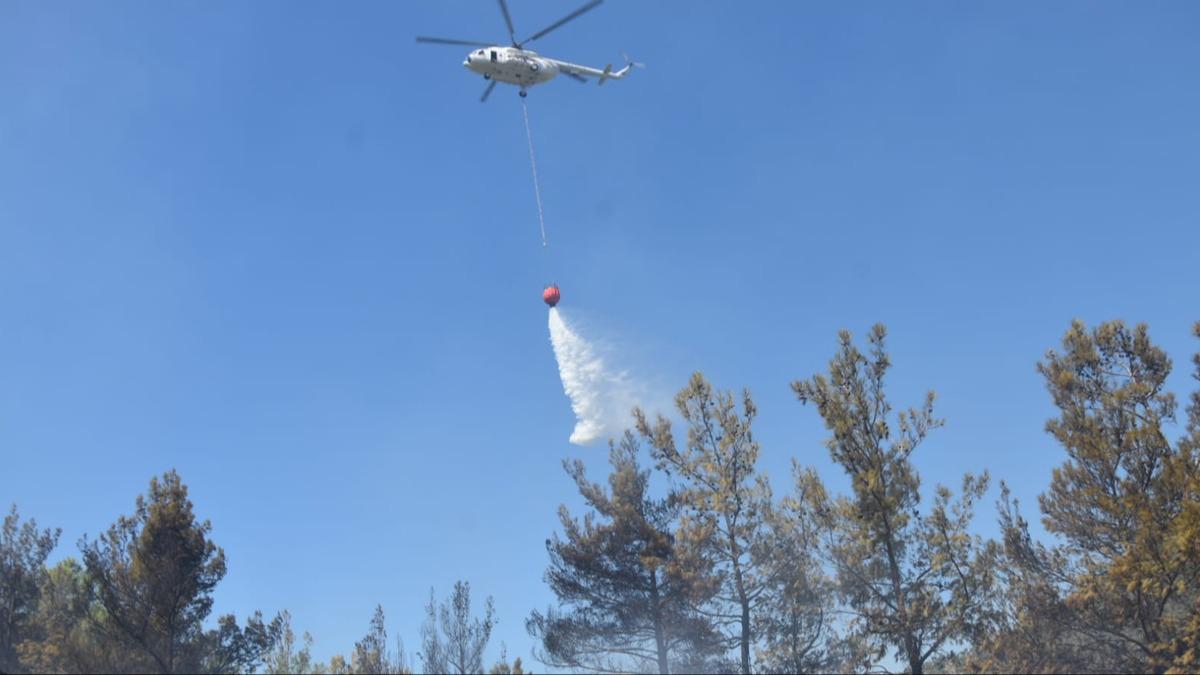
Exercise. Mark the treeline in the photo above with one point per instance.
(139, 601)
(718, 574)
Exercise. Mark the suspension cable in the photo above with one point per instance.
(537, 191)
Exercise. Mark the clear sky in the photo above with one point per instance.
(283, 249)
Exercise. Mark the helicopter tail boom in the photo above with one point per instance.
(584, 71)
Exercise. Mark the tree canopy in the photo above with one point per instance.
(683, 559)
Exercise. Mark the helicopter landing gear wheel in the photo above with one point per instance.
(523, 93)
(487, 76)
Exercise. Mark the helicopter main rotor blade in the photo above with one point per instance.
(561, 21)
(487, 92)
(446, 41)
(512, 32)
(575, 76)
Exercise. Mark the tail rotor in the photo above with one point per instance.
(630, 62)
(629, 65)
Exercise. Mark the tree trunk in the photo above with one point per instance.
(660, 634)
(745, 603)
(915, 666)
(745, 638)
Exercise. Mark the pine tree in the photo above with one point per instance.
(629, 590)
(23, 553)
(503, 667)
(154, 574)
(285, 658)
(60, 641)
(452, 639)
(724, 500)
(798, 612)
(915, 583)
(1123, 582)
(1185, 648)
(372, 655)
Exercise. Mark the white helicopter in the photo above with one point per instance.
(523, 67)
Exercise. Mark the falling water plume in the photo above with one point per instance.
(601, 399)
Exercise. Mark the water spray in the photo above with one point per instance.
(584, 378)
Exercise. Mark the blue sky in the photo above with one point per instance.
(282, 248)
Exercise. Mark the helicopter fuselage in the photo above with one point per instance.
(512, 65)
(523, 67)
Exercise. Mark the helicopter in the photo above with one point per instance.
(523, 67)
